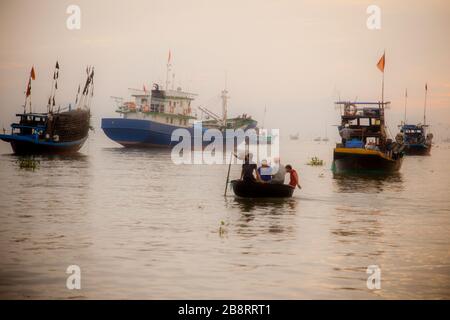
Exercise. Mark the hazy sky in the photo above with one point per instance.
(294, 57)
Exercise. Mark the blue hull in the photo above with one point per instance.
(25, 144)
(417, 149)
(139, 133)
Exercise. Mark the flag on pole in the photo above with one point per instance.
(28, 88)
(381, 63)
(32, 74)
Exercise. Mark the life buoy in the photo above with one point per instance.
(350, 110)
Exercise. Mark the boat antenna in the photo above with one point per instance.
(168, 69)
(425, 105)
(173, 80)
(224, 97)
(406, 101)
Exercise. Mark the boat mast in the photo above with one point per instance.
(168, 70)
(425, 105)
(406, 101)
(224, 97)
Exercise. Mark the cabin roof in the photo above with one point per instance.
(355, 103)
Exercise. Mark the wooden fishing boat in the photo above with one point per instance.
(365, 146)
(55, 131)
(261, 190)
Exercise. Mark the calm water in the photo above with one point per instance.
(141, 227)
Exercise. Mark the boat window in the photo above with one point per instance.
(364, 122)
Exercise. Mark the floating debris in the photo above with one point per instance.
(222, 229)
(315, 162)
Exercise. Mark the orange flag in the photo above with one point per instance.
(381, 63)
(32, 74)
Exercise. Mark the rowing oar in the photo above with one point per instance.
(228, 175)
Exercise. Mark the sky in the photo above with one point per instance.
(293, 58)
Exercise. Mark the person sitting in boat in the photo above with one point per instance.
(345, 133)
(370, 145)
(265, 171)
(278, 172)
(294, 181)
(249, 168)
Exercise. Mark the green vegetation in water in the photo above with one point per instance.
(315, 162)
(222, 229)
(28, 163)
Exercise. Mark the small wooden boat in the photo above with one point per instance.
(261, 190)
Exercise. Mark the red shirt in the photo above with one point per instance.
(294, 178)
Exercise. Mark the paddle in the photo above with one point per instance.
(228, 175)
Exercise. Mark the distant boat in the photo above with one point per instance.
(318, 139)
(366, 148)
(294, 136)
(417, 141)
(261, 190)
(55, 131)
(415, 137)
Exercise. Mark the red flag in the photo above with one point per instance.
(381, 63)
(32, 74)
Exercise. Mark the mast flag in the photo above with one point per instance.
(33, 74)
(380, 65)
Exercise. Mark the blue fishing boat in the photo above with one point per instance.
(417, 140)
(415, 137)
(55, 131)
(150, 120)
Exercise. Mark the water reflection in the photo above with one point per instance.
(265, 216)
(367, 183)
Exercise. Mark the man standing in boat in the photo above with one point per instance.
(294, 181)
(248, 168)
